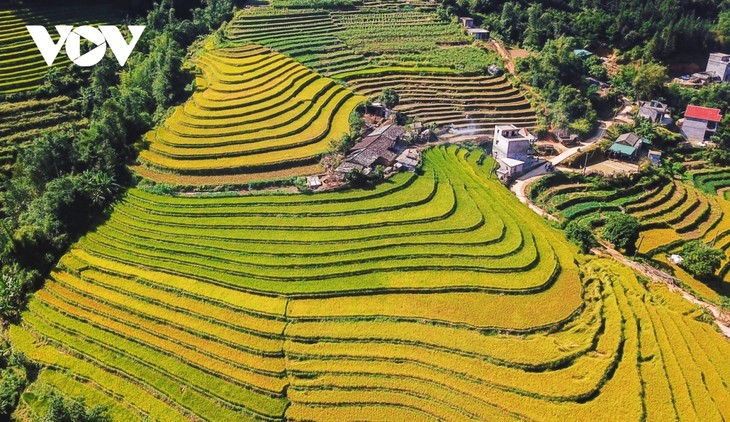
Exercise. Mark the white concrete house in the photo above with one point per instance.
(512, 147)
(719, 65)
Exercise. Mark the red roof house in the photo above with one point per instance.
(703, 113)
(700, 122)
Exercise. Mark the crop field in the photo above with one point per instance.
(715, 181)
(374, 304)
(21, 65)
(258, 115)
(431, 64)
(671, 212)
(21, 122)
(468, 105)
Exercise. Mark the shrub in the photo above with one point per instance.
(581, 235)
(622, 231)
(700, 259)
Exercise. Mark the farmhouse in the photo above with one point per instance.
(627, 146)
(380, 148)
(512, 148)
(719, 65)
(478, 33)
(700, 122)
(654, 111)
(655, 157)
(466, 22)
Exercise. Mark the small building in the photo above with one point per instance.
(703, 78)
(719, 65)
(378, 109)
(478, 33)
(408, 160)
(314, 182)
(466, 22)
(494, 70)
(379, 148)
(511, 148)
(565, 137)
(582, 53)
(654, 111)
(627, 146)
(655, 157)
(700, 122)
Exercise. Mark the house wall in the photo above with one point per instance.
(511, 149)
(721, 68)
(694, 129)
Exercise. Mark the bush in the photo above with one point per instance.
(69, 410)
(622, 231)
(700, 259)
(389, 98)
(581, 235)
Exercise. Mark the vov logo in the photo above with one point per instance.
(101, 37)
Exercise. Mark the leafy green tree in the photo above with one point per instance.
(70, 410)
(510, 22)
(581, 235)
(390, 97)
(700, 259)
(11, 387)
(649, 80)
(622, 230)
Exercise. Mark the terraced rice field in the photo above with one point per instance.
(715, 181)
(21, 65)
(21, 122)
(468, 105)
(257, 116)
(417, 300)
(670, 213)
(358, 46)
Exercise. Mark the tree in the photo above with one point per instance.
(622, 230)
(389, 98)
(649, 80)
(581, 235)
(700, 259)
(70, 410)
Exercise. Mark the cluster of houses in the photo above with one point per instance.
(717, 70)
(478, 33)
(385, 147)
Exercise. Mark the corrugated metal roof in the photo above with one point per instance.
(703, 113)
(622, 149)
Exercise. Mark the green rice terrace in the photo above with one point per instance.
(375, 48)
(670, 212)
(21, 65)
(272, 307)
(22, 70)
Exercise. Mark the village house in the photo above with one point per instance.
(466, 22)
(700, 122)
(655, 157)
(479, 33)
(654, 111)
(512, 149)
(379, 148)
(627, 146)
(718, 64)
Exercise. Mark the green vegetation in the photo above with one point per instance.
(580, 234)
(657, 29)
(622, 230)
(700, 259)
